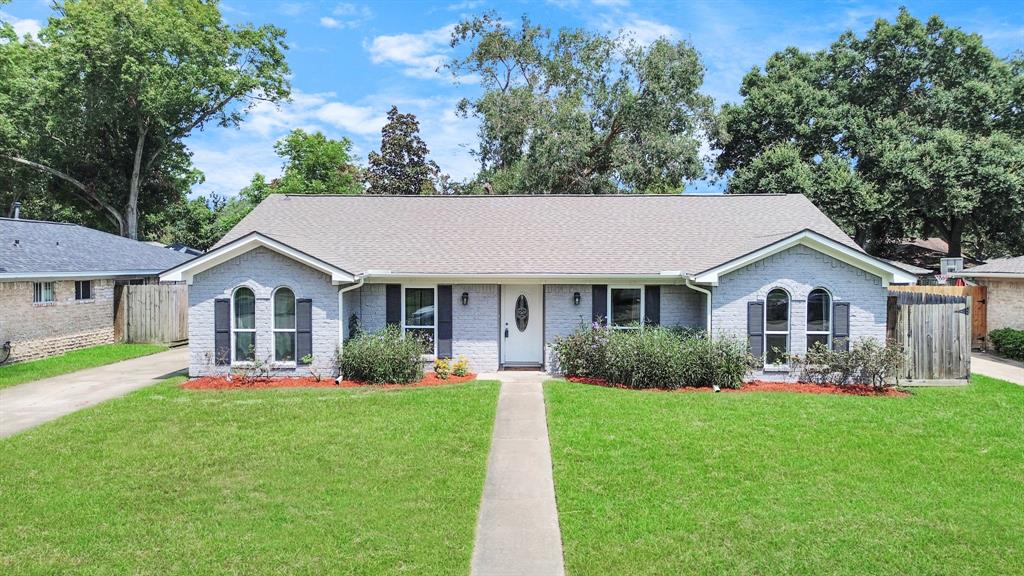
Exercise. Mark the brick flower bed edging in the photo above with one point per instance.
(765, 386)
(222, 383)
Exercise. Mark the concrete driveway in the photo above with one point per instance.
(996, 367)
(27, 405)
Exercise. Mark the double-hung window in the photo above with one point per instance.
(819, 319)
(83, 290)
(625, 307)
(284, 325)
(776, 327)
(43, 292)
(243, 325)
(418, 318)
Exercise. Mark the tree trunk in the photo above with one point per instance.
(131, 211)
(955, 239)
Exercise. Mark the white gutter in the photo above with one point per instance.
(707, 293)
(98, 274)
(341, 309)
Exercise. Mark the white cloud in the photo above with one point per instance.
(419, 55)
(347, 15)
(355, 119)
(22, 26)
(465, 5)
(618, 3)
(647, 31)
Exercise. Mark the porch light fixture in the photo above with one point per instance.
(465, 298)
(576, 298)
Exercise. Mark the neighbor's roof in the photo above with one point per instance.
(35, 249)
(998, 267)
(542, 234)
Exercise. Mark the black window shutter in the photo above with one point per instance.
(652, 305)
(222, 331)
(393, 304)
(841, 326)
(303, 329)
(599, 303)
(444, 321)
(755, 328)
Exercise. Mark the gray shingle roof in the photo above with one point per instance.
(33, 247)
(999, 266)
(533, 234)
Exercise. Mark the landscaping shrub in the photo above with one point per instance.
(866, 363)
(583, 353)
(461, 366)
(718, 362)
(443, 368)
(655, 357)
(1008, 342)
(384, 357)
(648, 358)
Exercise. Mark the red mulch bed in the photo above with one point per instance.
(222, 383)
(769, 386)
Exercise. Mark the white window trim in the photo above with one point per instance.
(643, 306)
(234, 330)
(416, 327)
(788, 332)
(274, 329)
(828, 321)
(40, 286)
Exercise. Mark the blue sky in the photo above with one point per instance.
(352, 60)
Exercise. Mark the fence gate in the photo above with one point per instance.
(935, 332)
(153, 313)
(979, 310)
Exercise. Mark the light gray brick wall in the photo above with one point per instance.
(682, 307)
(562, 317)
(262, 270)
(369, 305)
(1005, 301)
(475, 326)
(41, 330)
(799, 270)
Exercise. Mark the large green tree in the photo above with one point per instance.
(914, 129)
(401, 166)
(581, 112)
(116, 87)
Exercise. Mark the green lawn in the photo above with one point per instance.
(297, 481)
(11, 374)
(654, 483)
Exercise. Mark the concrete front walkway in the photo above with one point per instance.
(996, 367)
(27, 405)
(517, 530)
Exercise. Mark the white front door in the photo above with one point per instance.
(522, 325)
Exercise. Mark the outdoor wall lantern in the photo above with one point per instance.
(465, 298)
(576, 298)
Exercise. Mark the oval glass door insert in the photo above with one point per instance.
(522, 313)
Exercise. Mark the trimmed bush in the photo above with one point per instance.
(648, 358)
(866, 363)
(654, 357)
(721, 362)
(384, 357)
(1008, 342)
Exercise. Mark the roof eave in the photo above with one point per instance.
(887, 272)
(187, 271)
(86, 275)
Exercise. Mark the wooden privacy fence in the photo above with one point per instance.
(978, 301)
(934, 331)
(152, 313)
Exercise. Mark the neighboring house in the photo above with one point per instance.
(57, 284)
(1004, 280)
(498, 278)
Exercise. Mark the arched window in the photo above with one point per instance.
(819, 318)
(284, 325)
(776, 327)
(243, 325)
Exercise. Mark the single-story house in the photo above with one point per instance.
(57, 284)
(497, 278)
(1004, 279)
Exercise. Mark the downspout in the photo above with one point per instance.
(341, 314)
(707, 307)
